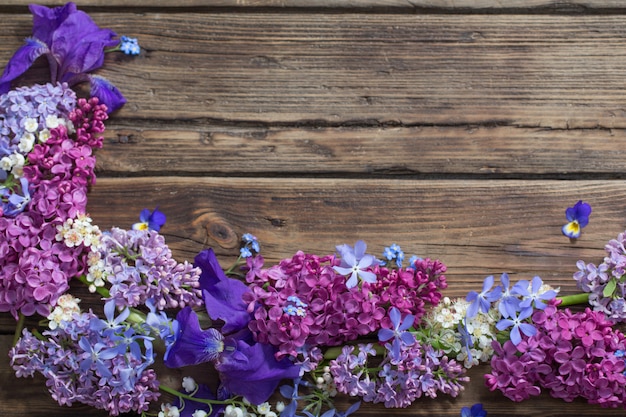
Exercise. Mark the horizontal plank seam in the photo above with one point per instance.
(122, 123)
(555, 9)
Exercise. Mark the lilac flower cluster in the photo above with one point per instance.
(139, 267)
(36, 266)
(333, 314)
(418, 371)
(29, 113)
(605, 283)
(330, 311)
(410, 290)
(103, 363)
(571, 355)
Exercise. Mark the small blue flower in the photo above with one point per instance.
(398, 334)
(394, 253)
(476, 411)
(354, 262)
(250, 245)
(150, 220)
(518, 324)
(466, 339)
(482, 301)
(578, 217)
(129, 46)
(533, 296)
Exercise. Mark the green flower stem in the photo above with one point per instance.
(18, 328)
(230, 270)
(136, 316)
(569, 300)
(334, 352)
(210, 403)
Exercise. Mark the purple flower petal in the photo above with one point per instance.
(253, 371)
(107, 93)
(222, 295)
(22, 60)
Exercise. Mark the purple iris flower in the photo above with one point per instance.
(482, 301)
(222, 295)
(578, 217)
(251, 370)
(188, 407)
(74, 46)
(193, 345)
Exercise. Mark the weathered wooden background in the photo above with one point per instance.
(460, 130)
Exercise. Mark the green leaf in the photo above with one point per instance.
(609, 290)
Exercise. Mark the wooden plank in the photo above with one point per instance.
(348, 4)
(501, 150)
(368, 69)
(477, 227)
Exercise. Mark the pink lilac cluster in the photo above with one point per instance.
(91, 362)
(35, 267)
(572, 355)
(419, 371)
(302, 302)
(139, 267)
(604, 282)
(36, 102)
(410, 289)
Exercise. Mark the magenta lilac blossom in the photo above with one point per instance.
(577, 217)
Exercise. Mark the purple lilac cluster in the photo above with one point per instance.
(571, 355)
(103, 363)
(304, 302)
(139, 267)
(605, 283)
(409, 289)
(419, 371)
(35, 266)
(30, 112)
(330, 314)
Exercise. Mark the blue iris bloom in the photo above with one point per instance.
(578, 217)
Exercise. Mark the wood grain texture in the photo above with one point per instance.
(476, 227)
(338, 69)
(412, 152)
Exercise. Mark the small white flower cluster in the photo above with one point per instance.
(67, 306)
(169, 410)
(264, 409)
(325, 383)
(449, 315)
(81, 231)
